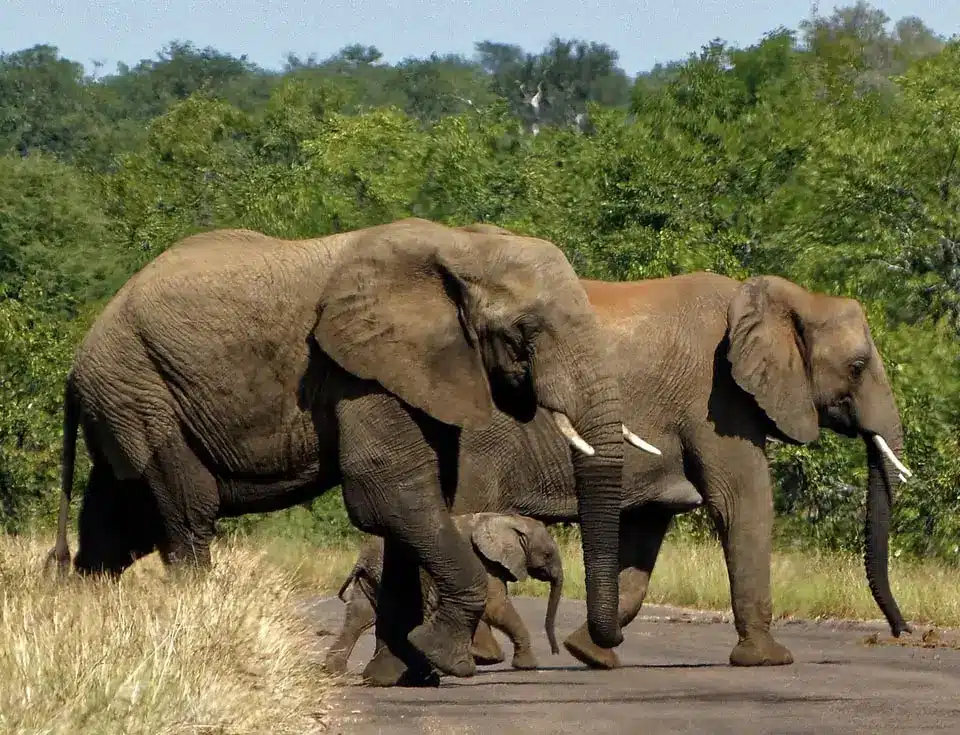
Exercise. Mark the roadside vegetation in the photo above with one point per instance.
(828, 154)
(227, 653)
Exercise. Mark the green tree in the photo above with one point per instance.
(54, 232)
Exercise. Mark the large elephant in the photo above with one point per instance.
(709, 369)
(241, 373)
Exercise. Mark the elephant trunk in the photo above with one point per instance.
(576, 382)
(598, 480)
(880, 483)
(879, 423)
(556, 590)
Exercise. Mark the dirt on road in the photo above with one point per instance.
(675, 679)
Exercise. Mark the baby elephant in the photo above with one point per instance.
(511, 547)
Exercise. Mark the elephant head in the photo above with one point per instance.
(809, 361)
(523, 546)
(456, 322)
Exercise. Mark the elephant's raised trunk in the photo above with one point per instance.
(550, 622)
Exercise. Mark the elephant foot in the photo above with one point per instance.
(524, 660)
(760, 650)
(445, 650)
(335, 665)
(481, 658)
(485, 649)
(387, 670)
(581, 646)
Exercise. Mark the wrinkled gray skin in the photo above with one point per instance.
(510, 547)
(709, 369)
(240, 373)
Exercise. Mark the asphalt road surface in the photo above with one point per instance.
(675, 679)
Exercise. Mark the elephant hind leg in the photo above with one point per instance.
(486, 648)
(188, 499)
(359, 617)
(118, 523)
(641, 536)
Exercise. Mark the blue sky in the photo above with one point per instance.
(643, 31)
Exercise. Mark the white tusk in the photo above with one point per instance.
(638, 442)
(571, 435)
(902, 478)
(884, 447)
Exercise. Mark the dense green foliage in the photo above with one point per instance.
(827, 155)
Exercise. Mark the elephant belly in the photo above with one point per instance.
(658, 479)
(279, 471)
(264, 495)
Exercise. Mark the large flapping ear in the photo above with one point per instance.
(767, 354)
(499, 538)
(395, 311)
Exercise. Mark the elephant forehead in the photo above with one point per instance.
(842, 340)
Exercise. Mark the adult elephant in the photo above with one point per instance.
(709, 368)
(241, 373)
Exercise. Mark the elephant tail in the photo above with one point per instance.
(60, 553)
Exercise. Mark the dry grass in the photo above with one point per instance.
(320, 571)
(219, 653)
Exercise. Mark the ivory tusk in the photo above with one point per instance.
(902, 478)
(571, 435)
(885, 449)
(638, 442)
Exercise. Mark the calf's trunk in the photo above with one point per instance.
(550, 622)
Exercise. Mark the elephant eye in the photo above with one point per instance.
(857, 367)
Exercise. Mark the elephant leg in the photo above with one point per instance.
(502, 615)
(118, 524)
(187, 498)
(743, 514)
(396, 661)
(486, 648)
(359, 617)
(641, 536)
(396, 465)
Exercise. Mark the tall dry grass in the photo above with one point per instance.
(219, 653)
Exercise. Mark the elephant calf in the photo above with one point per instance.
(510, 547)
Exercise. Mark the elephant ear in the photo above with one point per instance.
(396, 311)
(500, 540)
(767, 352)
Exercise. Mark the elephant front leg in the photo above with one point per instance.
(502, 615)
(396, 466)
(746, 530)
(641, 536)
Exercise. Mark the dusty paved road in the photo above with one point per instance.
(675, 679)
